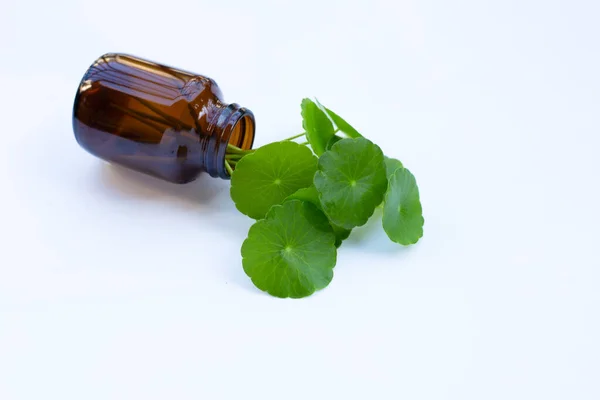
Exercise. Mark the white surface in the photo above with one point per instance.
(117, 286)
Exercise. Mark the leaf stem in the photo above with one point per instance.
(296, 136)
(234, 156)
(228, 168)
(231, 149)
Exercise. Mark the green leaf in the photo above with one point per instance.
(333, 141)
(340, 233)
(318, 127)
(291, 253)
(391, 165)
(402, 211)
(351, 181)
(342, 125)
(269, 175)
(311, 195)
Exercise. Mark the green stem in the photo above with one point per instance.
(296, 136)
(228, 168)
(304, 133)
(303, 143)
(231, 149)
(233, 161)
(233, 156)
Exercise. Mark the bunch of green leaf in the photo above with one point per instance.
(308, 197)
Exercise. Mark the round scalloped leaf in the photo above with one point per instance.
(269, 175)
(351, 181)
(310, 194)
(291, 253)
(402, 212)
(318, 127)
(391, 165)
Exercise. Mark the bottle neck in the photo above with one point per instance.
(230, 124)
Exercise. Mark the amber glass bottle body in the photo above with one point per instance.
(156, 119)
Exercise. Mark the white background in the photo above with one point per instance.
(118, 286)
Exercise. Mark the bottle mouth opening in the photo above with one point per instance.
(235, 126)
(242, 133)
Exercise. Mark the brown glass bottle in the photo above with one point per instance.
(156, 119)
